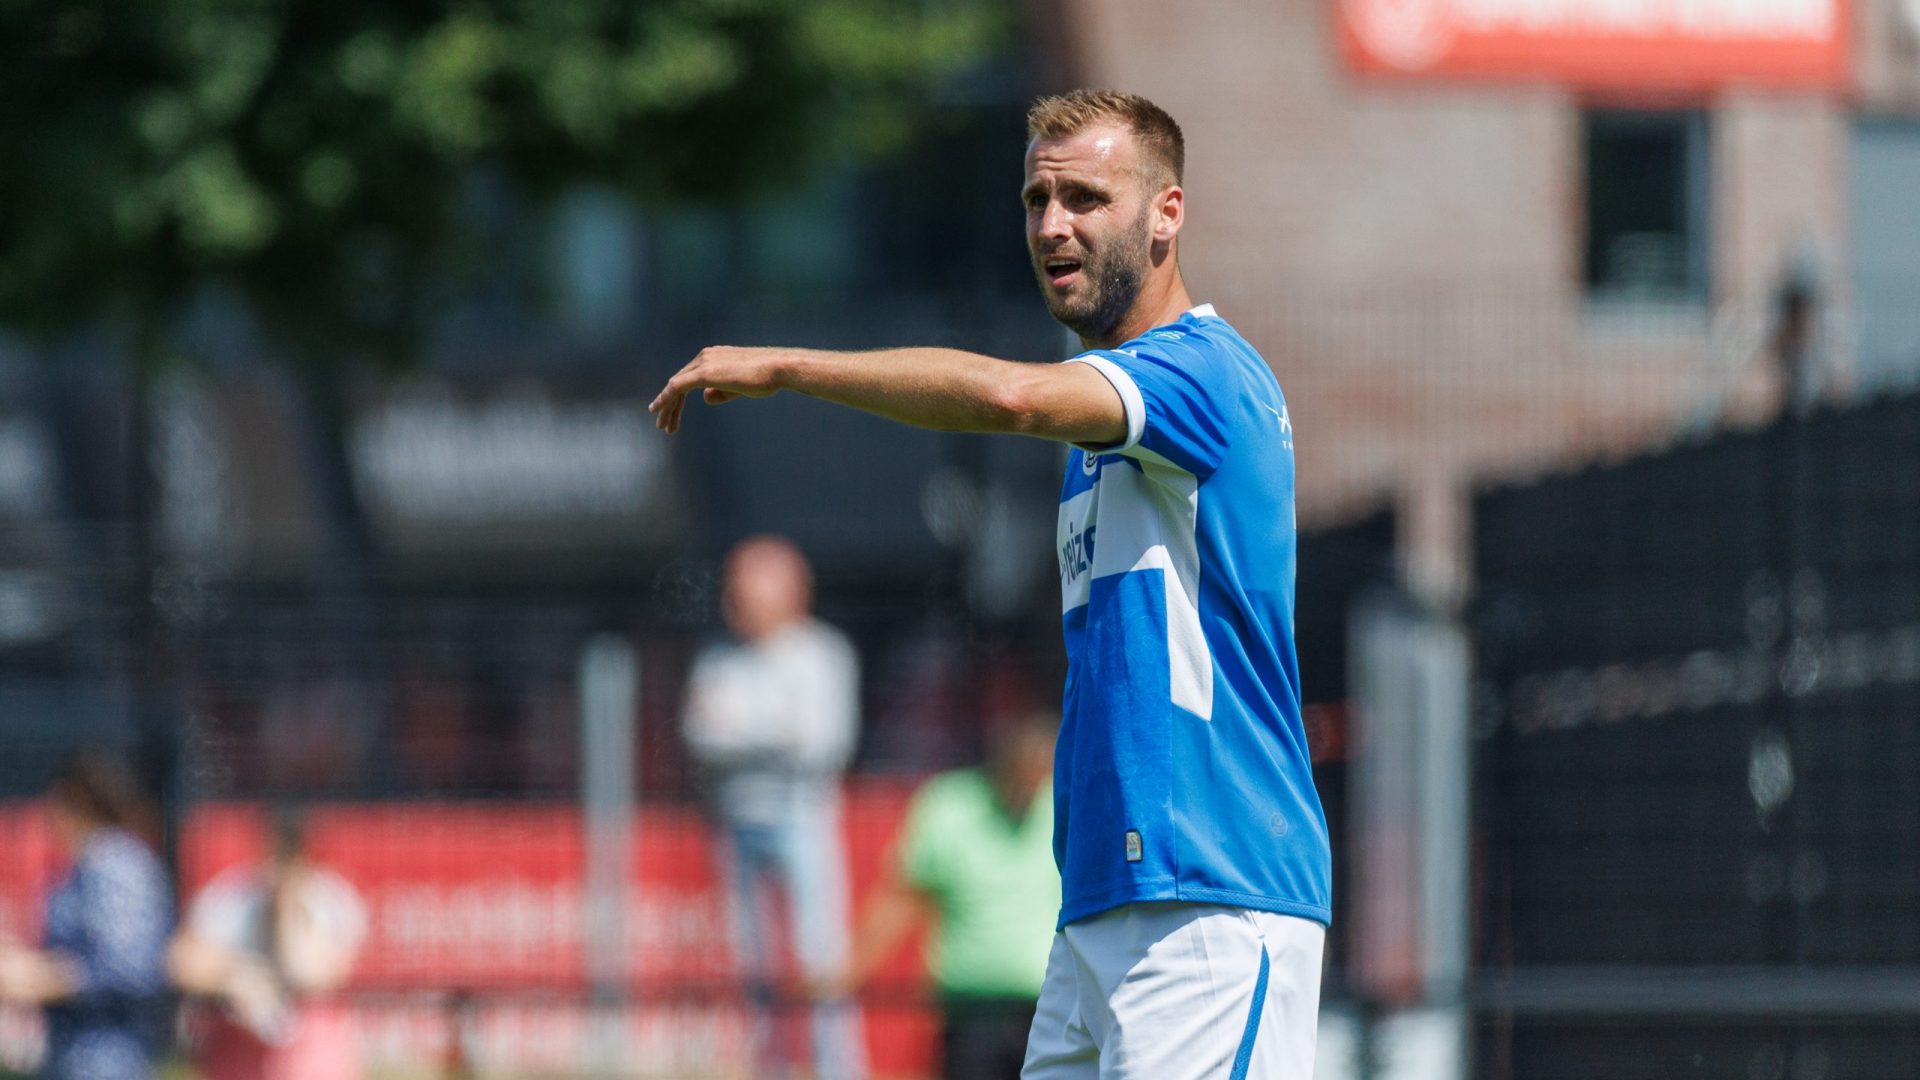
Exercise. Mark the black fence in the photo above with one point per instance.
(1699, 777)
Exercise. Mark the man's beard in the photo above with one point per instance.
(1116, 275)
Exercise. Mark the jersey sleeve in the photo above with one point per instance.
(220, 911)
(921, 856)
(127, 916)
(824, 720)
(717, 720)
(1175, 395)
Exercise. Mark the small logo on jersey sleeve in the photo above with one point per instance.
(1135, 851)
(1286, 424)
(1089, 463)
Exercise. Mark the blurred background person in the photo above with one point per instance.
(771, 717)
(975, 858)
(99, 973)
(271, 943)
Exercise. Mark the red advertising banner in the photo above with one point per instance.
(29, 863)
(484, 902)
(1633, 45)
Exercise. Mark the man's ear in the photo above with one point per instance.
(1169, 213)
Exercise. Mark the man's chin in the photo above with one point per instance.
(1071, 315)
(1088, 325)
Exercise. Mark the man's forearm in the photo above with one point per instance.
(894, 912)
(942, 389)
(34, 977)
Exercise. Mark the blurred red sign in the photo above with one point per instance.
(479, 896)
(1605, 44)
(490, 897)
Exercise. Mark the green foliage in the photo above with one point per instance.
(316, 157)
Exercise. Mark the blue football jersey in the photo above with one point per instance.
(1183, 771)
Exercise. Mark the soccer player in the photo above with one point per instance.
(1191, 844)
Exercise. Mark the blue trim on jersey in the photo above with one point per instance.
(1167, 890)
(1243, 1058)
(1319, 913)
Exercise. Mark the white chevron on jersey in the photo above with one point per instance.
(1144, 520)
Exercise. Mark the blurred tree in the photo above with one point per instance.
(315, 161)
(315, 157)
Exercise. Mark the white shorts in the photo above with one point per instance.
(1171, 991)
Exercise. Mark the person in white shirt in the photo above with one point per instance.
(271, 944)
(771, 717)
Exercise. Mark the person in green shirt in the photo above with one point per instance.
(975, 857)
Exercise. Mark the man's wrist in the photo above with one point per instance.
(789, 368)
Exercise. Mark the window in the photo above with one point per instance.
(1647, 192)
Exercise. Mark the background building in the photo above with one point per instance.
(1478, 238)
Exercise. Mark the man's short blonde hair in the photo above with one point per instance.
(1163, 150)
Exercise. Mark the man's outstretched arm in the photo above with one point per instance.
(942, 389)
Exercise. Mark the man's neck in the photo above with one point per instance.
(1157, 306)
(1012, 805)
(772, 633)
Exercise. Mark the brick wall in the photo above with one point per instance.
(1408, 256)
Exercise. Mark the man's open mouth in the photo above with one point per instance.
(1061, 271)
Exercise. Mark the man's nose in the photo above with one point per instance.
(1055, 222)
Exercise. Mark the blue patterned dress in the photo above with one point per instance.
(110, 919)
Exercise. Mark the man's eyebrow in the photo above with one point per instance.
(1071, 184)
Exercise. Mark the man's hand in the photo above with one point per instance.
(258, 1000)
(34, 977)
(832, 987)
(721, 373)
(15, 972)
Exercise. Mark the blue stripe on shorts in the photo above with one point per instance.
(1244, 1057)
